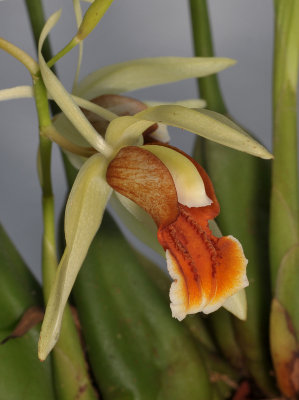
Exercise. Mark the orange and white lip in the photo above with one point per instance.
(203, 286)
(207, 270)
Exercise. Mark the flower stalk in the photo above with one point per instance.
(49, 260)
(203, 47)
(68, 354)
(37, 20)
(68, 348)
(90, 20)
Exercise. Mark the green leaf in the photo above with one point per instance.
(243, 194)
(223, 376)
(284, 222)
(221, 326)
(285, 349)
(242, 187)
(22, 376)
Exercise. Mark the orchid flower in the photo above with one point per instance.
(155, 180)
(208, 272)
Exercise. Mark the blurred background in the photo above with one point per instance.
(242, 30)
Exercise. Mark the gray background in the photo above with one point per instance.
(242, 30)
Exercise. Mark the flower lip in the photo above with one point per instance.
(206, 270)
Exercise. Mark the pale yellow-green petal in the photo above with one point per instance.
(237, 305)
(207, 124)
(85, 207)
(136, 220)
(188, 182)
(75, 160)
(190, 103)
(17, 92)
(126, 131)
(161, 134)
(63, 98)
(78, 16)
(95, 108)
(225, 120)
(20, 55)
(122, 131)
(144, 72)
(67, 129)
(215, 228)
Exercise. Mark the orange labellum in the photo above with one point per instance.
(210, 269)
(206, 269)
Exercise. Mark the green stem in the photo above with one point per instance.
(285, 199)
(284, 224)
(71, 375)
(73, 43)
(37, 21)
(203, 47)
(49, 260)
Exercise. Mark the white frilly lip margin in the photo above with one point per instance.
(235, 303)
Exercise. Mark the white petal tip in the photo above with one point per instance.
(237, 305)
(196, 200)
(268, 156)
(178, 311)
(161, 134)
